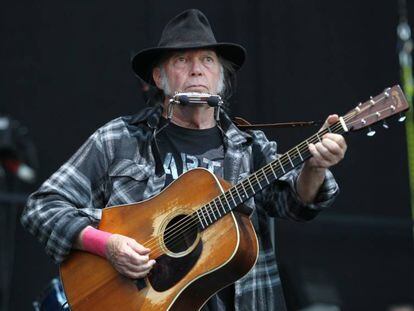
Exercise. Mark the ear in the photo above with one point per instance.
(156, 75)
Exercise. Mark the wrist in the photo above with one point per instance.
(311, 169)
(95, 241)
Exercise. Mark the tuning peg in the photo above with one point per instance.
(402, 117)
(371, 132)
(385, 125)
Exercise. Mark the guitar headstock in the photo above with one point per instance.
(390, 102)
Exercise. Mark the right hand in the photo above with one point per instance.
(128, 257)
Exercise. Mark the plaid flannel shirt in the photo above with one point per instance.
(117, 165)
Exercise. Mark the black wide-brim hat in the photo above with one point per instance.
(188, 30)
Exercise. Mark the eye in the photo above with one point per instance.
(208, 59)
(181, 59)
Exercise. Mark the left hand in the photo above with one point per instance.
(330, 151)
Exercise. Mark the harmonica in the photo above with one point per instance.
(196, 98)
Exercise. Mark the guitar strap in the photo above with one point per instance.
(243, 124)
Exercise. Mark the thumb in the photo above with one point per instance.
(331, 119)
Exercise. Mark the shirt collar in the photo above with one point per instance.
(150, 116)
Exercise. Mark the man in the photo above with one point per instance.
(133, 158)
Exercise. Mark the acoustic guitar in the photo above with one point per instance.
(200, 242)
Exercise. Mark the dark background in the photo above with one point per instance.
(65, 71)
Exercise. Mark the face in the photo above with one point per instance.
(190, 71)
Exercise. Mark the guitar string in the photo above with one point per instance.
(174, 236)
(191, 220)
(192, 228)
(228, 193)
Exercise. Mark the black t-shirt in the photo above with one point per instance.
(183, 149)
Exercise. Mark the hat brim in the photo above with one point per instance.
(144, 61)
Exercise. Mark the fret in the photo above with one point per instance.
(244, 189)
(240, 197)
(237, 191)
(199, 220)
(290, 160)
(280, 163)
(232, 197)
(248, 179)
(329, 129)
(264, 173)
(228, 204)
(300, 155)
(224, 210)
(208, 214)
(319, 138)
(258, 181)
(218, 211)
(202, 214)
(212, 211)
(274, 173)
(219, 202)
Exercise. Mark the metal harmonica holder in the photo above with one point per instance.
(196, 99)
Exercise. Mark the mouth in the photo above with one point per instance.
(196, 87)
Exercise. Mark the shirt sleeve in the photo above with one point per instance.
(281, 199)
(69, 200)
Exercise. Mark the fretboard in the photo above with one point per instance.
(256, 182)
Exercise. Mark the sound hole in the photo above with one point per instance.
(180, 233)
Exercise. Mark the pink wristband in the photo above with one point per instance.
(94, 241)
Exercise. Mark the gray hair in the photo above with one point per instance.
(229, 78)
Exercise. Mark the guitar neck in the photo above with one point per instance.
(390, 102)
(256, 182)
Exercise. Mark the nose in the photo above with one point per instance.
(196, 68)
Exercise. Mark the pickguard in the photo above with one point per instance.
(168, 270)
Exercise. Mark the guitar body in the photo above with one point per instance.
(187, 272)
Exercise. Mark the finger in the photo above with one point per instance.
(324, 153)
(339, 139)
(139, 273)
(317, 159)
(139, 268)
(331, 119)
(137, 259)
(140, 249)
(332, 147)
(125, 254)
(147, 266)
(314, 152)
